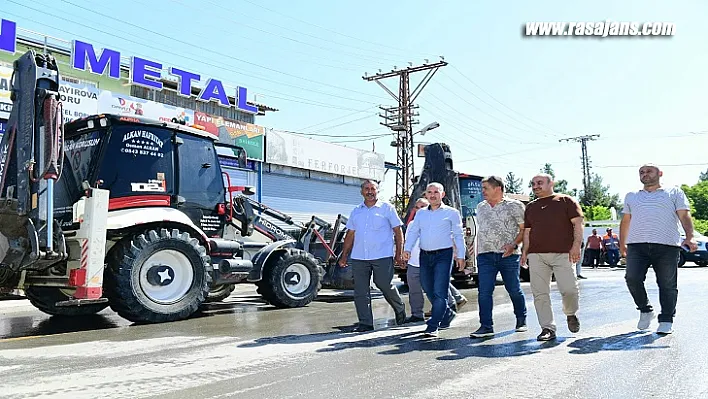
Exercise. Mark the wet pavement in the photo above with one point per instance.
(242, 348)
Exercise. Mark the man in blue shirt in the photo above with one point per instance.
(436, 228)
(372, 227)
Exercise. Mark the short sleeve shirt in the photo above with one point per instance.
(373, 230)
(498, 225)
(654, 219)
(549, 219)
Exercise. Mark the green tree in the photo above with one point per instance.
(560, 186)
(596, 212)
(512, 184)
(698, 196)
(599, 194)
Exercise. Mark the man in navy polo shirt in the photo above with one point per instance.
(372, 227)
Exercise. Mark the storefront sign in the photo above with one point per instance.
(119, 104)
(5, 102)
(301, 152)
(249, 136)
(79, 99)
(143, 72)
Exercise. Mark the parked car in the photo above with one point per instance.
(700, 257)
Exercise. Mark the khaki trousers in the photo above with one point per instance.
(541, 268)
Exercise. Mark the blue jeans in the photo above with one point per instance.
(489, 265)
(613, 256)
(664, 260)
(435, 270)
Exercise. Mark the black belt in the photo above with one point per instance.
(435, 251)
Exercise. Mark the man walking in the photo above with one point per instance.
(501, 230)
(593, 248)
(437, 227)
(649, 236)
(415, 289)
(610, 242)
(372, 227)
(553, 231)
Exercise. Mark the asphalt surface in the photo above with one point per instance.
(244, 349)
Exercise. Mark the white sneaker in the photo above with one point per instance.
(665, 328)
(645, 319)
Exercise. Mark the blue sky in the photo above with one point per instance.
(503, 102)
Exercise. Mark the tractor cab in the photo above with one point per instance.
(145, 163)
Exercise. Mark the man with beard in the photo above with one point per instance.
(372, 227)
(553, 231)
(649, 236)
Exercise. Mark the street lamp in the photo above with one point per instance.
(428, 127)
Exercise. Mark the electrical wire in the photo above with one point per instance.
(231, 57)
(502, 104)
(201, 61)
(327, 29)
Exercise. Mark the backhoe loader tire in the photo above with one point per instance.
(291, 279)
(156, 277)
(45, 299)
(220, 292)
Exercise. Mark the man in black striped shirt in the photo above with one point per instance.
(650, 236)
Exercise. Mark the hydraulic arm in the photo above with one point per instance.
(31, 158)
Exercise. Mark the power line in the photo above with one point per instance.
(335, 119)
(326, 29)
(502, 104)
(479, 109)
(661, 166)
(495, 108)
(231, 57)
(201, 61)
(241, 24)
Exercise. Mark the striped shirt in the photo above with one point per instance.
(654, 219)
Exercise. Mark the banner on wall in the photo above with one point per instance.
(301, 152)
(247, 135)
(121, 104)
(79, 99)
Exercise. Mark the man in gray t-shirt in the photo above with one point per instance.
(650, 236)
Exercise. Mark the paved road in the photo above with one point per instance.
(243, 349)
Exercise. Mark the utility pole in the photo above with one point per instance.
(586, 161)
(400, 119)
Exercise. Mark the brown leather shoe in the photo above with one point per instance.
(573, 324)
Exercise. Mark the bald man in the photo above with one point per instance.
(649, 236)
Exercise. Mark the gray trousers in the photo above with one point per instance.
(382, 270)
(415, 292)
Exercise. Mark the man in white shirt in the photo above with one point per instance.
(372, 227)
(437, 227)
(649, 236)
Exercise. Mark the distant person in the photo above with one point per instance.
(372, 228)
(416, 299)
(579, 263)
(437, 227)
(649, 236)
(553, 225)
(610, 242)
(593, 249)
(501, 230)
